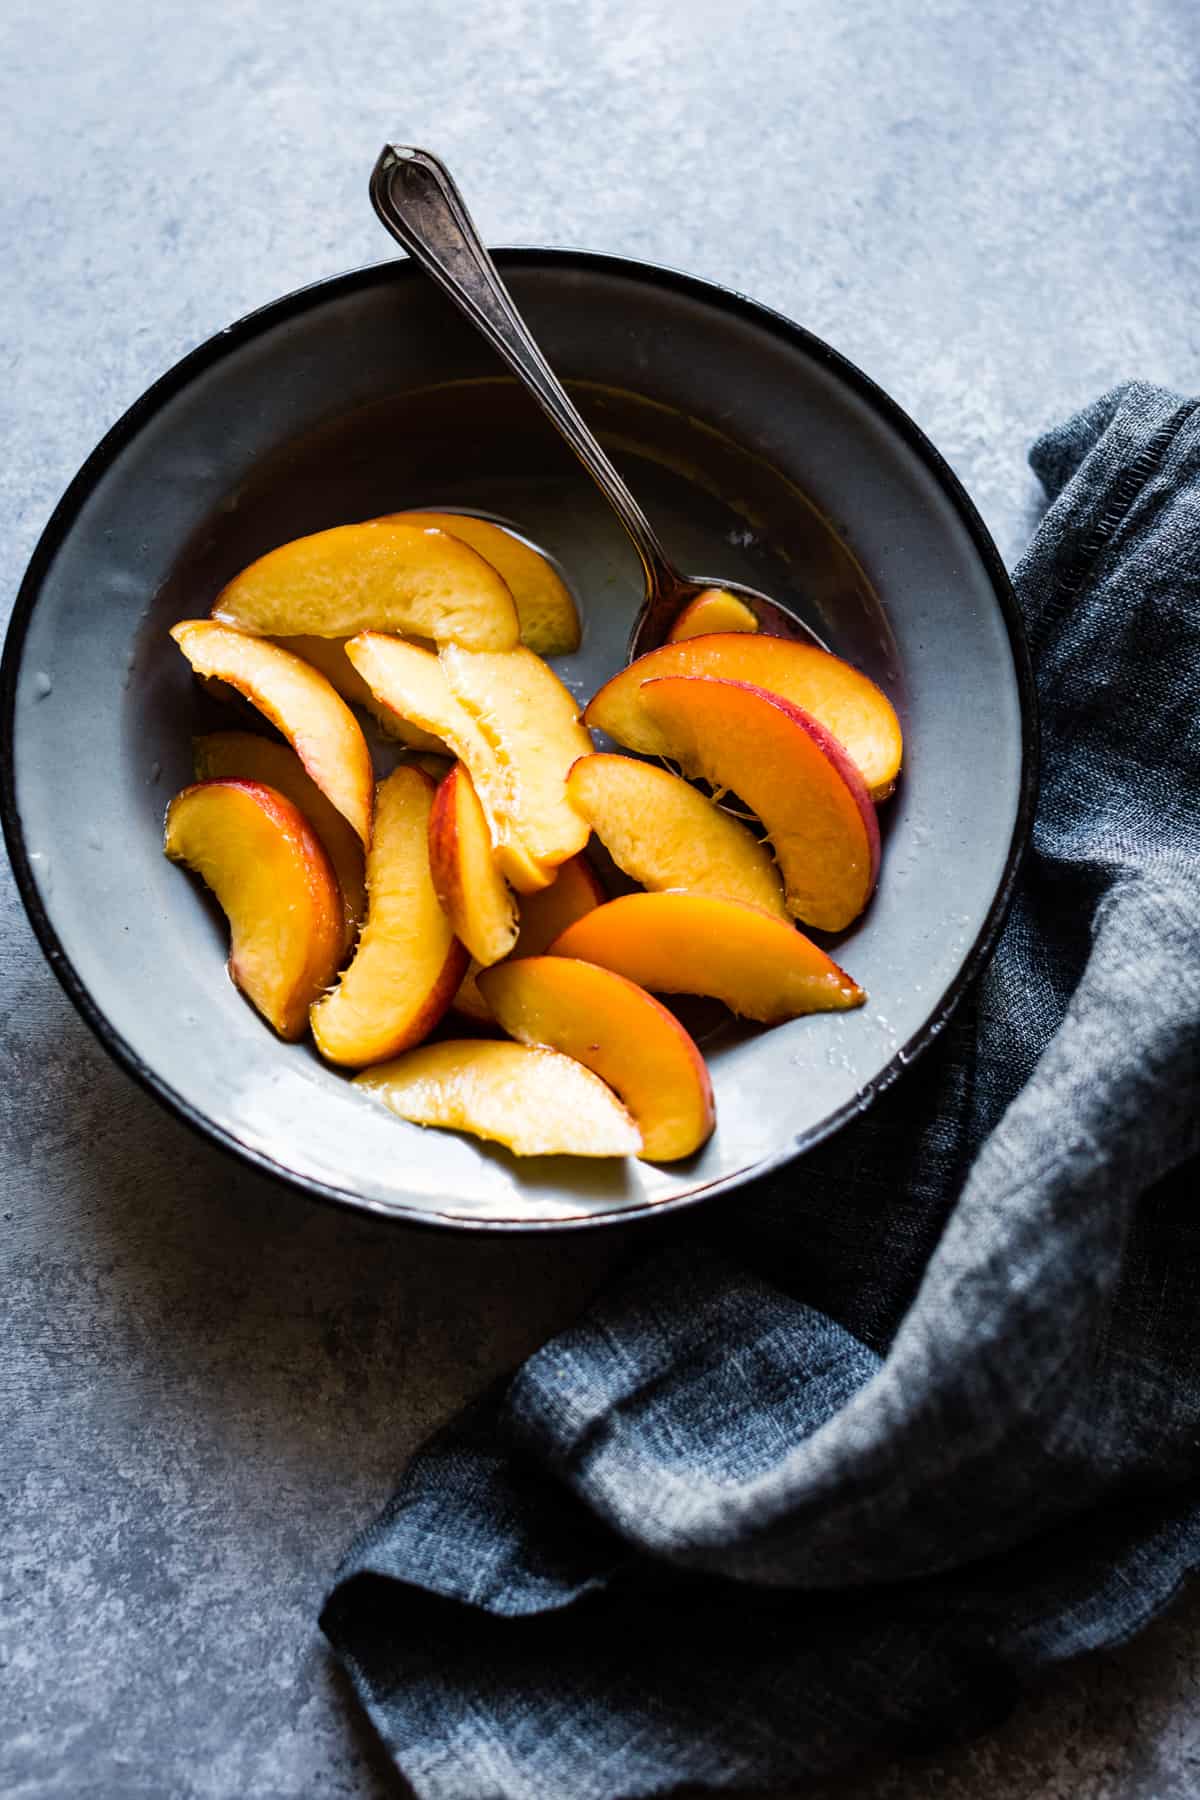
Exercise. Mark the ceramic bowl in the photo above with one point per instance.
(759, 452)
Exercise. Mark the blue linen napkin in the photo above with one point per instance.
(921, 1417)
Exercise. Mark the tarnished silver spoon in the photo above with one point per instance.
(419, 203)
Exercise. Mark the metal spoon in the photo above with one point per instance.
(417, 200)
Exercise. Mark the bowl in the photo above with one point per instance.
(758, 451)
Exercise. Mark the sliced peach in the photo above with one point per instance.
(242, 754)
(536, 1102)
(792, 773)
(543, 916)
(839, 697)
(619, 1032)
(666, 834)
(299, 701)
(713, 610)
(378, 576)
(531, 725)
(548, 619)
(329, 656)
(473, 893)
(408, 963)
(264, 863)
(699, 944)
(412, 683)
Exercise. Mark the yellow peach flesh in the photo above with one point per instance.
(276, 886)
(408, 964)
(376, 576)
(299, 701)
(534, 1101)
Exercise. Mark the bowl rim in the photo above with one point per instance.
(317, 293)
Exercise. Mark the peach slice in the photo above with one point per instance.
(472, 891)
(699, 944)
(666, 834)
(377, 576)
(574, 891)
(619, 1032)
(329, 656)
(839, 697)
(408, 963)
(263, 861)
(548, 619)
(411, 682)
(536, 1102)
(713, 610)
(531, 725)
(241, 754)
(792, 773)
(297, 700)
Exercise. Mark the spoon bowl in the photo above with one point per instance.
(661, 608)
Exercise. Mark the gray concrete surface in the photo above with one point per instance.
(206, 1383)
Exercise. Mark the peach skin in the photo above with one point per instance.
(619, 1032)
(535, 1102)
(276, 886)
(849, 705)
(409, 963)
(297, 700)
(664, 833)
(473, 893)
(791, 773)
(698, 944)
(377, 576)
(240, 754)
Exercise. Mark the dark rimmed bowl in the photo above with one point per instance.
(762, 455)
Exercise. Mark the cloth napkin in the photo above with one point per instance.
(855, 1456)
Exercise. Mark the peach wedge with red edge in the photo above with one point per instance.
(792, 774)
(712, 611)
(241, 754)
(329, 656)
(531, 724)
(542, 917)
(842, 699)
(534, 1101)
(664, 833)
(473, 893)
(409, 963)
(698, 944)
(411, 682)
(377, 576)
(548, 619)
(619, 1032)
(276, 886)
(297, 700)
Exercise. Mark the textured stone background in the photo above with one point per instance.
(208, 1384)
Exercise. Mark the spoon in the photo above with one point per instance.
(419, 203)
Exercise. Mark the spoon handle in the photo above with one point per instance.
(418, 202)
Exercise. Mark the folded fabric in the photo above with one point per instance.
(922, 1416)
